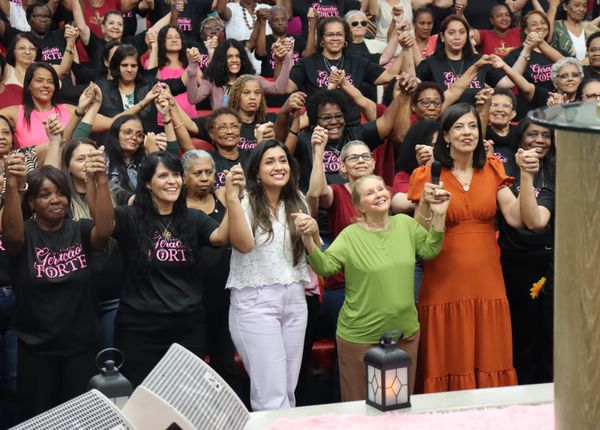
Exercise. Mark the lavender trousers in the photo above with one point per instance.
(267, 326)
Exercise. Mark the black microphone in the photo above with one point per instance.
(436, 171)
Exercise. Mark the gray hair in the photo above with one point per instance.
(563, 62)
(347, 146)
(350, 14)
(278, 8)
(196, 154)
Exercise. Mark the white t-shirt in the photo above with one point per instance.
(17, 17)
(237, 27)
(579, 45)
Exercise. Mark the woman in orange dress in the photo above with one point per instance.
(466, 337)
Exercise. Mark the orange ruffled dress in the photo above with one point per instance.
(466, 337)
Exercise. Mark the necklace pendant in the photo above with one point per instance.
(166, 234)
(466, 187)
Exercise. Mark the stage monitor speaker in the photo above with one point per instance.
(184, 393)
(90, 411)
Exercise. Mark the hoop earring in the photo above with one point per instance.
(345, 44)
(321, 44)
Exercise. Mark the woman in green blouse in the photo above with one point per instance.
(377, 255)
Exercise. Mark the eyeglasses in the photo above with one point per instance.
(564, 76)
(366, 156)
(357, 23)
(222, 128)
(502, 105)
(26, 49)
(328, 118)
(537, 135)
(428, 102)
(339, 34)
(594, 50)
(41, 16)
(586, 97)
(127, 132)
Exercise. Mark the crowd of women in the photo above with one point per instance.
(245, 177)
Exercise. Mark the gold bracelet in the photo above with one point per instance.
(177, 126)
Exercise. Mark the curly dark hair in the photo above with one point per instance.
(162, 48)
(236, 92)
(321, 31)
(441, 149)
(217, 71)
(146, 212)
(323, 97)
(290, 195)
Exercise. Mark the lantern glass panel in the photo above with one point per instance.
(403, 376)
(374, 376)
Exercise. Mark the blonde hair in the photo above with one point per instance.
(356, 190)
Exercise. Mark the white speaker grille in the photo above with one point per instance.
(196, 391)
(90, 411)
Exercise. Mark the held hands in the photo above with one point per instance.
(295, 102)
(154, 142)
(312, 16)
(483, 99)
(71, 35)
(54, 128)
(488, 144)
(262, 14)
(397, 13)
(460, 6)
(437, 197)
(424, 154)
(235, 182)
(319, 137)
(264, 131)
(15, 170)
(211, 44)
(95, 165)
(556, 99)
(528, 160)
(336, 77)
(406, 83)
(193, 55)
(305, 224)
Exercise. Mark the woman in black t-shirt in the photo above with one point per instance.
(49, 256)
(248, 100)
(162, 296)
(527, 257)
(453, 56)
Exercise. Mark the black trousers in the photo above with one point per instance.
(531, 319)
(144, 349)
(45, 382)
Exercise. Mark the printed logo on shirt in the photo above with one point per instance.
(50, 54)
(220, 180)
(203, 61)
(168, 249)
(450, 78)
(2, 248)
(325, 10)
(501, 157)
(536, 191)
(331, 161)
(540, 73)
(56, 264)
(247, 144)
(295, 59)
(323, 78)
(185, 24)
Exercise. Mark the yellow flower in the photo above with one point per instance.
(537, 287)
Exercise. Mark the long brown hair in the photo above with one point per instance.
(235, 94)
(290, 196)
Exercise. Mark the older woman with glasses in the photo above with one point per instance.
(589, 90)
(566, 75)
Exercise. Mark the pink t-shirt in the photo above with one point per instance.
(35, 134)
(168, 72)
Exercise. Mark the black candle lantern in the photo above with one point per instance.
(110, 382)
(387, 375)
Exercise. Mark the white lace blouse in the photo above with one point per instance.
(271, 261)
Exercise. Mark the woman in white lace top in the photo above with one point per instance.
(268, 314)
